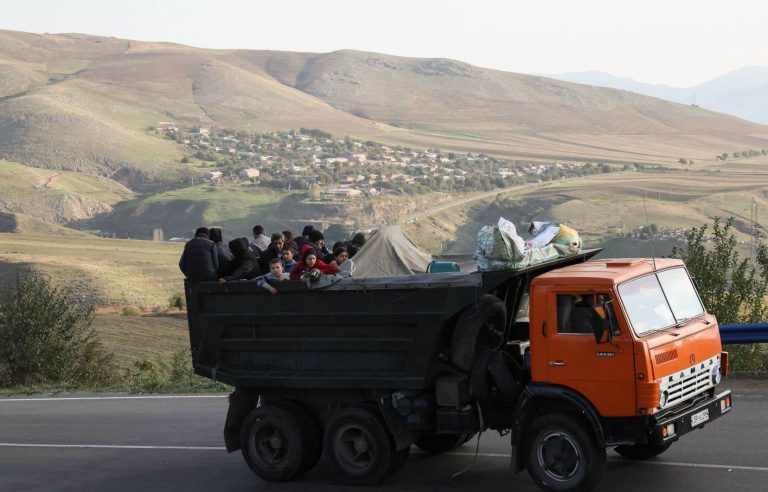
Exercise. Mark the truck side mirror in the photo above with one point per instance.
(602, 332)
(603, 328)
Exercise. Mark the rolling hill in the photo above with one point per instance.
(56, 197)
(78, 102)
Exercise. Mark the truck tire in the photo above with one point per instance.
(273, 440)
(642, 451)
(433, 443)
(479, 327)
(360, 447)
(311, 432)
(560, 454)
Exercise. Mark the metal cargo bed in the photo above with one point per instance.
(373, 333)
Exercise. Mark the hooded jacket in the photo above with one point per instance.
(226, 259)
(355, 244)
(320, 265)
(246, 262)
(199, 261)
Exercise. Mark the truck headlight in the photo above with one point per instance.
(663, 398)
(716, 375)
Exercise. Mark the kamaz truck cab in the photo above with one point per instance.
(628, 346)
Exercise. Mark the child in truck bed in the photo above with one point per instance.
(276, 274)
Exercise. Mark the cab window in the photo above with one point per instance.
(581, 313)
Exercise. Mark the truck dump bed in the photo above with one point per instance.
(372, 333)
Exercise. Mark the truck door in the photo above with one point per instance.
(604, 373)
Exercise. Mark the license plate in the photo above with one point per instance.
(699, 418)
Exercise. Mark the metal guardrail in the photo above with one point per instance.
(746, 333)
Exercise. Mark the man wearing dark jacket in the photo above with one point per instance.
(303, 240)
(317, 241)
(356, 243)
(273, 251)
(246, 262)
(226, 259)
(199, 261)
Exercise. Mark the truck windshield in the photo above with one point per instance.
(660, 300)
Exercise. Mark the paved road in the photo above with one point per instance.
(175, 444)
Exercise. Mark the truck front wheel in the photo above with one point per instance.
(360, 447)
(562, 455)
(274, 442)
(642, 451)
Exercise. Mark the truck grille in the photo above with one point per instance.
(683, 389)
(685, 384)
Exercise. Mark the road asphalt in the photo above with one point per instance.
(174, 443)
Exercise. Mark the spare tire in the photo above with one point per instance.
(480, 327)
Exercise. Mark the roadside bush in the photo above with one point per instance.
(131, 311)
(169, 376)
(732, 288)
(177, 301)
(47, 338)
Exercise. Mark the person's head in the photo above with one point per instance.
(310, 259)
(360, 238)
(202, 232)
(278, 240)
(258, 230)
(307, 229)
(215, 235)
(341, 255)
(288, 253)
(276, 266)
(238, 246)
(317, 237)
(308, 252)
(288, 235)
(338, 244)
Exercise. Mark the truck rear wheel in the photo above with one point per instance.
(642, 451)
(360, 447)
(434, 443)
(311, 432)
(479, 328)
(562, 455)
(273, 440)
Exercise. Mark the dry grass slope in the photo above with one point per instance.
(80, 102)
(105, 271)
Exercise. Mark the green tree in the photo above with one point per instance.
(46, 337)
(732, 288)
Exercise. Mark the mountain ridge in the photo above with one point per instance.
(740, 92)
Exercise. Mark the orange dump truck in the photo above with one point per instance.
(573, 357)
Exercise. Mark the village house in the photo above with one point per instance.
(249, 173)
(213, 176)
(356, 157)
(342, 192)
(334, 160)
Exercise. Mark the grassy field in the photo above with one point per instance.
(54, 196)
(107, 271)
(234, 208)
(132, 338)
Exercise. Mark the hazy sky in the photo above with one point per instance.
(676, 42)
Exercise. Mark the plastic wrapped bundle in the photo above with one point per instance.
(530, 257)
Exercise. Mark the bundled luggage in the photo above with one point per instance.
(502, 248)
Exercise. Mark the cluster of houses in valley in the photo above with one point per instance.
(348, 168)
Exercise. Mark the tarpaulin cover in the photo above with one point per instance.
(389, 252)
